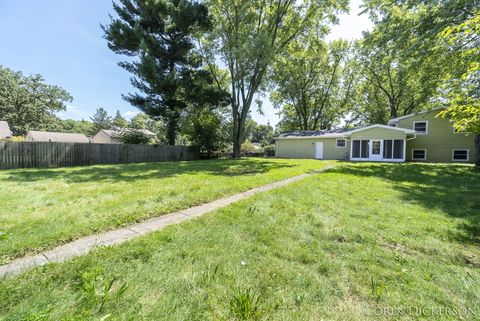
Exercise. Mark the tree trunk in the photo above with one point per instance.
(238, 132)
(237, 144)
(477, 145)
(171, 131)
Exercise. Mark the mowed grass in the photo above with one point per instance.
(360, 242)
(40, 208)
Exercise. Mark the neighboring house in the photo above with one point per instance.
(5, 131)
(38, 136)
(416, 137)
(110, 136)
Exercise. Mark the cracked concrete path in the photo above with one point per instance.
(83, 245)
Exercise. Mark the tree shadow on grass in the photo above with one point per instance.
(453, 189)
(142, 171)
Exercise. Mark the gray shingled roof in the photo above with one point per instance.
(308, 133)
(38, 136)
(5, 131)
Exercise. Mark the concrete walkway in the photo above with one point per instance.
(83, 245)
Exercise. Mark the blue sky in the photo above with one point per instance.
(62, 41)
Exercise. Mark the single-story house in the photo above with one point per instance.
(420, 136)
(110, 136)
(5, 131)
(39, 136)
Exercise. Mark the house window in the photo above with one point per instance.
(360, 149)
(393, 149)
(341, 143)
(460, 155)
(421, 127)
(419, 154)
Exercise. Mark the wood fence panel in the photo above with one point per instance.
(45, 154)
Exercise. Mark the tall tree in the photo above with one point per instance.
(405, 63)
(314, 82)
(394, 78)
(160, 34)
(119, 121)
(250, 35)
(101, 120)
(464, 91)
(28, 103)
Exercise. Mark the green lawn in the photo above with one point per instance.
(342, 245)
(44, 207)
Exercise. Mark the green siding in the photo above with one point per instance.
(305, 148)
(440, 139)
(378, 133)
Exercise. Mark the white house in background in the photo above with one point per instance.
(5, 131)
(38, 136)
(110, 136)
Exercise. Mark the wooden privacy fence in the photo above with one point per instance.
(45, 154)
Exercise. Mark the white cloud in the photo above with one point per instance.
(129, 114)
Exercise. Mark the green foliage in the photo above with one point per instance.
(250, 35)
(207, 130)
(101, 120)
(244, 305)
(98, 288)
(464, 92)
(28, 103)
(314, 83)
(167, 69)
(76, 126)
(408, 66)
(269, 150)
(143, 121)
(133, 136)
(119, 121)
(377, 289)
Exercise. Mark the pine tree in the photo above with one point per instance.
(119, 121)
(101, 120)
(160, 34)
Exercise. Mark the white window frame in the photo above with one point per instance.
(426, 127)
(336, 143)
(360, 158)
(417, 149)
(461, 160)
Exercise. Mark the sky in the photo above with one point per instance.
(63, 41)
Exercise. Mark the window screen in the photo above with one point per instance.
(460, 154)
(356, 149)
(364, 149)
(340, 143)
(398, 149)
(418, 154)
(420, 127)
(387, 149)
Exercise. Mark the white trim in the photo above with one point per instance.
(336, 143)
(310, 137)
(386, 160)
(405, 130)
(395, 120)
(424, 150)
(461, 160)
(426, 127)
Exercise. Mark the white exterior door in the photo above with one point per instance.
(319, 150)
(376, 150)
